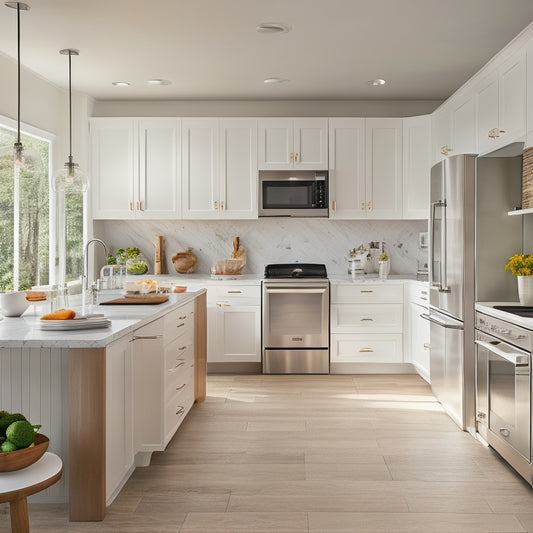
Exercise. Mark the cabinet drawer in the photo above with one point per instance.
(366, 348)
(234, 292)
(418, 294)
(354, 318)
(178, 380)
(179, 322)
(372, 293)
(178, 354)
(176, 408)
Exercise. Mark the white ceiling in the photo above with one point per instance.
(209, 49)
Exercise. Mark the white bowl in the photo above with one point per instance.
(13, 303)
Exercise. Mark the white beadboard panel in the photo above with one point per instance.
(33, 381)
(270, 240)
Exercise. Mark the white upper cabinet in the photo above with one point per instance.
(286, 144)
(441, 134)
(135, 167)
(464, 126)
(383, 167)
(219, 168)
(501, 105)
(238, 168)
(416, 166)
(365, 168)
(346, 168)
(530, 93)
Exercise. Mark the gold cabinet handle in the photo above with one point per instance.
(427, 346)
(140, 205)
(131, 205)
(291, 157)
(366, 350)
(366, 290)
(137, 206)
(370, 206)
(334, 205)
(296, 156)
(363, 205)
(494, 133)
(215, 205)
(366, 320)
(222, 205)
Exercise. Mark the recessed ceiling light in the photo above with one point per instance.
(377, 82)
(272, 27)
(121, 83)
(158, 81)
(276, 80)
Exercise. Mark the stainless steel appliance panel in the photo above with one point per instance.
(446, 363)
(509, 392)
(296, 361)
(482, 392)
(296, 314)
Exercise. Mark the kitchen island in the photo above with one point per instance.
(83, 387)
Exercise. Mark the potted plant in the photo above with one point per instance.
(384, 265)
(521, 265)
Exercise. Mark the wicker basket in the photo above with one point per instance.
(527, 179)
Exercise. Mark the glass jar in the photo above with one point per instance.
(137, 265)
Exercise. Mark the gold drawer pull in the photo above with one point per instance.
(366, 350)
(181, 387)
(181, 348)
(367, 320)
(366, 290)
(180, 410)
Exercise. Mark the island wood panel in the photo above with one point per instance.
(87, 434)
(200, 347)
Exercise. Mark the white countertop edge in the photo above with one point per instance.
(23, 332)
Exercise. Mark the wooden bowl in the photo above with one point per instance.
(179, 288)
(24, 457)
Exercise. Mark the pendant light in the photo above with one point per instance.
(26, 161)
(70, 178)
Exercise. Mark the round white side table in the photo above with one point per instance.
(16, 486)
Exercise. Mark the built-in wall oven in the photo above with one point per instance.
(295, 318)
(503, 390)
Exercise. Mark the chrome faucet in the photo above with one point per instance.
(85, 276)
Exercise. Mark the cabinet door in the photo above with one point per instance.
(114, 167)
(416, 166)
(200, 168)
(238, 168)
(311, 144)
(383, 163)
(366, 348)
(529, 97)
(119, 416)
(276, 144)
(513, 99)
(441, 134)
(488, 120)
(417, 340)
(347, 168)
(159, 169)
(464, 127)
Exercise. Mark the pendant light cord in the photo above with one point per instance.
(70, 105)
(18, 72)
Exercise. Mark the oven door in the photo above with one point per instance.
(509, 386)
(295, 314)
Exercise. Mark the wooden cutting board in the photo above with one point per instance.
(138, 300)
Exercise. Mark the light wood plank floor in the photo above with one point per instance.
(317, 454)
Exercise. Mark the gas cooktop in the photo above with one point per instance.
(520, 310)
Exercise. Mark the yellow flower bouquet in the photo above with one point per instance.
(520, 264)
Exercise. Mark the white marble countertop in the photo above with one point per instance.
(488, 309)
(374, 278)
(24, 331)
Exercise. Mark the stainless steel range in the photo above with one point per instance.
(295, 308)
(503, 386)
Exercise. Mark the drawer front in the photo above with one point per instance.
(367, 293)
(418, 294)
(178, 380)
(178, 353)
(176, 408)
(250, 293)
(179, 322)
(355, 318)
(366, 348)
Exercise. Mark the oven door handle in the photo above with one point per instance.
(517, 359)
(290, 290)
(441, 322)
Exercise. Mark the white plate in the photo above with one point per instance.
(80, 323)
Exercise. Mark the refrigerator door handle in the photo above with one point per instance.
(442, 323)
(442, 284)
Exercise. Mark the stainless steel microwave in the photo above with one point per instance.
(293, 194)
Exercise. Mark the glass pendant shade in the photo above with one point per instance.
(70, 179)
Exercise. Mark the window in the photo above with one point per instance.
(41, 237)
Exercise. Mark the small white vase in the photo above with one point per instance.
(384, 269)
(525, 289)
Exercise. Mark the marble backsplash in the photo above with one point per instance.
(270, 240)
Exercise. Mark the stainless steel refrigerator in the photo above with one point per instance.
(451, 275)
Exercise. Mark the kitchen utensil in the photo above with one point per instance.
(138, 300)
(159, 260)
(185, 262)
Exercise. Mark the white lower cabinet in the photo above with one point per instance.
(119, 416)
(234, 324)
(163, 382)
(417, 328)
(366, 323)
